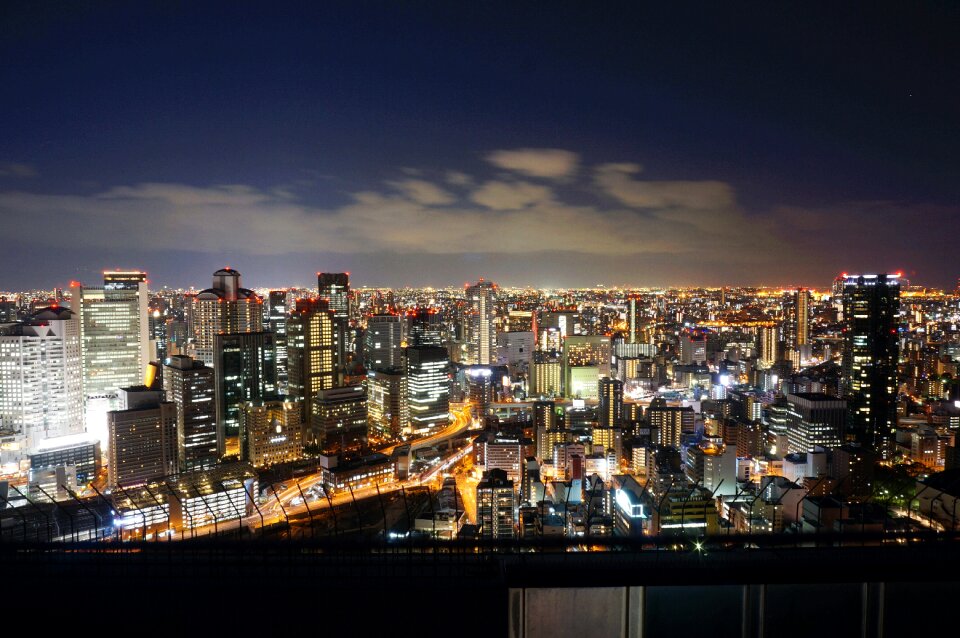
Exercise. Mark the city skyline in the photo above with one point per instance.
(560, 149)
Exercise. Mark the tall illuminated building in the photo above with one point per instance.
(41, 393)
(693, 347)
(387, 411)
(273, 431)
(244, 370)
(191, 386)
(338, 420)
(480, 323)
(610, 409)
(586, 358)
(769, 337)
(334, 288)
(426, 328)
(382, 341)
(496, 506)
(114, 341)
(871, 311)
(480, 391)
(277, 321)
(312, 362)
(428, 387)
(224, 308)
(632, 319)
(798, 319)
(142, 437)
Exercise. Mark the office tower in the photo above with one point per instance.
(387, 411)
(814, 420)
(608, 438)
(224, 308)
(610, 410)
(632, 319)
(670, 422)
(41, 393)
(334, 288)
(480, 391)
(312, 363)
(114, 340)
(9, 310)
(693, 347)
(338, 420)
(546, 375)
(273, 430)
(496, 506)
(481, 316)
(836, 298)
(428, 387)
(426, 327)
(142, 437)
(277, 322)
(871, 309)
(191, 386)
(245, 370)
(585, 360)
(769, 345)
(382, 341)
(504, 453)
(565, 322)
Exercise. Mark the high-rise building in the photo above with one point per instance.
(586, 358)
(245, 370)
(312, 362)
(334, 288)
(801, 318)
(671, 422)
(481, 323)
(610, 410)
(428, 387)
(382, 342)
(504, 453)
(191, 386)
(142, 437)
(114, 340)
(769, 345)
(224, 308)
(426, 327)
(277, 321)
(273, 431)
(387, 411)
(693, 347)
(41, 393)
(814, 420)
(632, 319)
(546, 375)
(339, 418)
(496, 506)
(871, 310)
(480, 391)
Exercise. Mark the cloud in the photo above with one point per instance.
(616, 181)
(510, 195)
(14, 169)
(550, 163)
(423, 192)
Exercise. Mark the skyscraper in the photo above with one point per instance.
(769, 345)
(334, 288)
(496, 506)
(382, 341)
(245, 370)
(41, 394)
(428, 387)
(610, 410)
(871, 310)
(114, 340)
(426, 327)
(387, 412)
(277, 321)
(480, 322)
(143, 437)
(338, 420)
(312, 362)
(191, 386)
(224, 308)
(273, 431)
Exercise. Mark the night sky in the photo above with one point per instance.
(432, 143)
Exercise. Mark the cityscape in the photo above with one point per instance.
(506, 319)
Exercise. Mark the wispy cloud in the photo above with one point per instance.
(551, 163)
(15, 169)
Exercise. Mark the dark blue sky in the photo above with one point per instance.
(430, 143)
